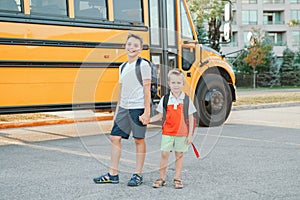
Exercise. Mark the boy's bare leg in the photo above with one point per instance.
(178, 164)
(140, 154)
(115, 154)
(164, 163)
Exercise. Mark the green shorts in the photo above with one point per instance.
(169, 143)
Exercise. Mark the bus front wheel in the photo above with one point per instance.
(213, 100)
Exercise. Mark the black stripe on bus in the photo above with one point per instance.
(108, 106)
(98, 24)
(34, 64)
(63, 43)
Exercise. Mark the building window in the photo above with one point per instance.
(249, 17)
(53, 7)
(249, 1)
(90, 9)
(275, 38)
(295, 1)
(273, 1)
(296, 38)
(129, 11)
(234, 39)
(295, 15)
(273, 18)
(234, 18)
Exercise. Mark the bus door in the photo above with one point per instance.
(163, 38)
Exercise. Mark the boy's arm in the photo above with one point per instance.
(191, 129)
(156, 117)
(145, 117)
(118, 102)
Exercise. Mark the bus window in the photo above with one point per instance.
(171, 23)
(154, 23)
(90, 9)
(186, 29)
(129, 11)
(48, 7)
(10, 5)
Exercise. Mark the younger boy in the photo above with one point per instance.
(175, 132)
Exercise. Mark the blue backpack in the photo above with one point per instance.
(138, 73)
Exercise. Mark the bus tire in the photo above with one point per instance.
(213, 100)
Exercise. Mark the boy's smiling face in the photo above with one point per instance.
(133, 47)
(176, 83)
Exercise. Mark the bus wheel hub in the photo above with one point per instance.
(214, 101)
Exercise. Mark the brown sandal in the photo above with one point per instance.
(159, 183)
(178, 184)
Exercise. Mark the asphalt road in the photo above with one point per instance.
(254, 155)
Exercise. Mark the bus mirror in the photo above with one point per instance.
(227, 12)
(227, 31)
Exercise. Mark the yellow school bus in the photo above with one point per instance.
(64, 54)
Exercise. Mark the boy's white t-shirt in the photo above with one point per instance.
(132, 92)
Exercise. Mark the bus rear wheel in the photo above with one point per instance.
(213, 100)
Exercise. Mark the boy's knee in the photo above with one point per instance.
(178, 155)
(165, 154)
(115, 139)
(139, 141)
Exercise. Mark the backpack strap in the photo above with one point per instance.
(122, 66)
(186, 102)
(138, 70)
(165, 104)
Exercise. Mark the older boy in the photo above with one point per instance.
(133, 113)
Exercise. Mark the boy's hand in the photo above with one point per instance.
(145, 118)
(189, 139)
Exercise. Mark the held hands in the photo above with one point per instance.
(145, 118)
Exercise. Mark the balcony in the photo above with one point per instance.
(274, 22)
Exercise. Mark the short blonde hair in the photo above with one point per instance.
(176, 72)
(130, 35)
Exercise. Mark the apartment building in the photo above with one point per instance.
(273, 17)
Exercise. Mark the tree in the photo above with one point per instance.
(210, 11)
(260, 56)
(290, 69)
(255, 58)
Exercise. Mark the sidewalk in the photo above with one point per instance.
(64, 117)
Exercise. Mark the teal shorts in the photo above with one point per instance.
(169, 143)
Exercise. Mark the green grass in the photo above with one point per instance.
(267, 98)
(26, 117)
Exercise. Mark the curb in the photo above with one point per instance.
(52, 122)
